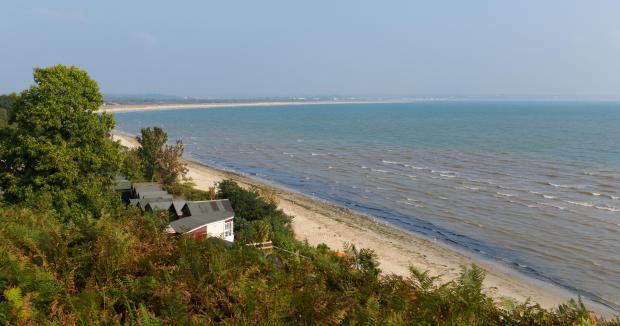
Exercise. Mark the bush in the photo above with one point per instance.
(188, 192)
(123, 269)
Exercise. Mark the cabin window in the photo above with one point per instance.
(228, 229)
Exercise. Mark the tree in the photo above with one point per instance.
(132, 167)
(170, 165)
(6, 104)
(151, 142)
(159, 161)
(60, 155)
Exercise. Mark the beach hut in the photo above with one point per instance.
(210, 218)
(155, 194)
(154, 206)
(139, 188)
(123, 187)
(176, 210)
(142, 203)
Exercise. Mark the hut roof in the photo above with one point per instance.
(155, 194)
(158, 205)
(202, 213)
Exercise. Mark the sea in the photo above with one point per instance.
(534, 185)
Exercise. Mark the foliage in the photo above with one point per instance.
(170, 166)
(6, 105)
(247, 204)
(187, 191)
(132, 167)
(60, 156)
(123, 269)
(160, 162)
(151, 142)
(7, 101)
(4, 117)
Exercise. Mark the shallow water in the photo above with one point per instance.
(535, 185)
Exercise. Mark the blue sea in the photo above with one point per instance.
(533, 185)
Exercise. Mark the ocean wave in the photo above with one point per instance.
(608, 208)
(318, 154)
(558, 186)
(567, 186)
(549, 196)
(442, 172)
(590, 193)
(503, 194)
(604, 176)
(410, 204)
(580, 203)
(395, 163)
(554, 206)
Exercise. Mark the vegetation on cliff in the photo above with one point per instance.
(72, 253)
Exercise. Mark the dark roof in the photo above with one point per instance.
(158, 205)
(142, 202)
(120, 183)
(202, 213)
(139, 187)
(220, 207)
(178, 206)
(155, 194)
(189, 223)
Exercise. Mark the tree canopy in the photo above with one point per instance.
(6, 104)
(61, 154)
(151, 142)
(159, 161)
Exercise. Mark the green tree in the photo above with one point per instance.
(60, 155)
(132, 167)
(170, 166)
(151, 142)
(6, 104)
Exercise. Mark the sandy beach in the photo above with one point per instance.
(319, 222)
(113, 108)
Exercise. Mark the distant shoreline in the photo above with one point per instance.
(321, 222)
(119, 108)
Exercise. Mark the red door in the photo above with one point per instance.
(200, 232)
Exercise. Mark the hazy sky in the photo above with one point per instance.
(230, 48)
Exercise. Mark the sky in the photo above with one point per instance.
(269, 48)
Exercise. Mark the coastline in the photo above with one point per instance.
(117, 108)
(317, 221)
